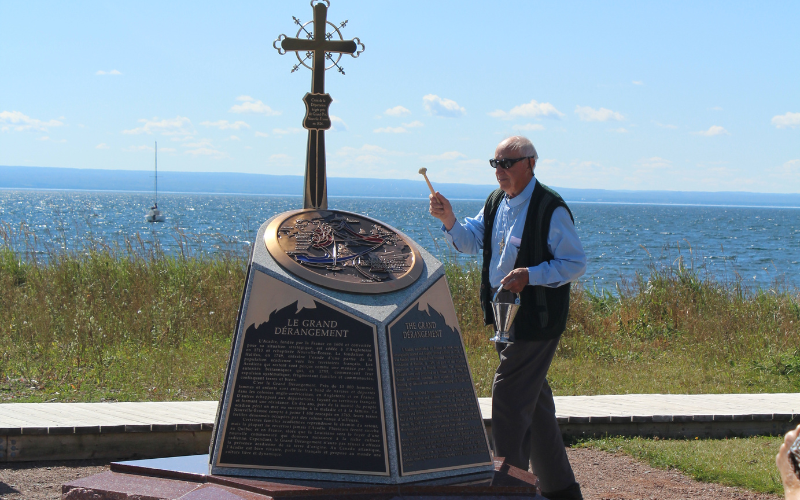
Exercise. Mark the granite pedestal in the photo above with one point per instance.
(334, 385)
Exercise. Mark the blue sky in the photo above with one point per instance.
(615, 95)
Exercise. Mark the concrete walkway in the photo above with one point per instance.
(59, 431)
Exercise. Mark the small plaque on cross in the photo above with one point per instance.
(317, 115)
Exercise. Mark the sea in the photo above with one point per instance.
(759, 245)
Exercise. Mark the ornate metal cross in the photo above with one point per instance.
(318, 46)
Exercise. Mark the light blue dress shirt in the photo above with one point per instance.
(569, 260)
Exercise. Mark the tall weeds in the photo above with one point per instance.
(129, 322)
(676, 329)
(125, 322)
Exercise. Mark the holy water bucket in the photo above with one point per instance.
(504, 314)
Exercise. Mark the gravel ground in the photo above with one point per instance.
(43, 480)
(615, 476)
(603, 476)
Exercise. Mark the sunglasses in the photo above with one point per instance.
(506, 162)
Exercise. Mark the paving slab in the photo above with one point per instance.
(42, 430)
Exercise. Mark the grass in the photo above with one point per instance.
(131, 323)
(111, 323)
(675, 330)
(744, 462)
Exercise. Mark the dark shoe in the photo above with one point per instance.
(573, 492)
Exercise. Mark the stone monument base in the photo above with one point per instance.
(184, 478)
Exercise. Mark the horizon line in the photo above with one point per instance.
(282, 195)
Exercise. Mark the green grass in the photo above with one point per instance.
(744, 462)
(676, 330)
(130, 323)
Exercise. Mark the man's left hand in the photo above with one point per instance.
(516, 280)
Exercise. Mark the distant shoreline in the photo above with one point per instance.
(283, 195)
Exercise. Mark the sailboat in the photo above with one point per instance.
(154, 214)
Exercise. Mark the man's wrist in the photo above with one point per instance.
(448, 224)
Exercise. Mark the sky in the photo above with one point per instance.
(687, 96)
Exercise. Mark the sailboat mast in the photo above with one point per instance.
(156, 179)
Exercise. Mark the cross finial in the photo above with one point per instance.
(318, 46)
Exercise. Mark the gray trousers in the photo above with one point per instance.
(524, 425)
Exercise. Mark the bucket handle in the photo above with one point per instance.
(516, 295)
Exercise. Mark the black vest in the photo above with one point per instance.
(543, 311)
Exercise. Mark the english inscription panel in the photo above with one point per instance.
(438, 418)
(306, 395)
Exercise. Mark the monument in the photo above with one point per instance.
(347, 376)
(347, 362)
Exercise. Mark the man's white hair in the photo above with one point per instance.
(522, 145)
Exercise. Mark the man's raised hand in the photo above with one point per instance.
(441, 208)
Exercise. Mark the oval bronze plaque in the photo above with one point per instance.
(343, 251)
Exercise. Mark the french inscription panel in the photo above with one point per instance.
(438, 419)
(317, 114)
(306, 395)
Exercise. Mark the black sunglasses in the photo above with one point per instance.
(506, 162)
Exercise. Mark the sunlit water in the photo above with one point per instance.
(759, 244)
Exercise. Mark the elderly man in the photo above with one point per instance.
(529, 244)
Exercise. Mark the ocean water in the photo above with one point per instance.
(759, 244)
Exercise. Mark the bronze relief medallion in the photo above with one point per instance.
(343, 251)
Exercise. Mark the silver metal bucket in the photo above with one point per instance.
(504, 314)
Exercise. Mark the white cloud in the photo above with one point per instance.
(621, 130)
(284, 131)
(397, 111)
(46, 138)
(178, 126)
(588, 114)
(529, 127)
(337, 124)
(250, 105)
(654, 163)
(713, 130)
(789, 120)
(791, 167)
(442, 107)
(225, 125)
(533, 109)
(102, 145)
(203, 147)
(112, 72)
(637, 82)
(234, 138)
(262, 134)
(15, 120)
(414, 124)
(133, 149)
(448, 156)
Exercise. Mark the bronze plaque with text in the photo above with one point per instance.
(438, 419)
(306, 393)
